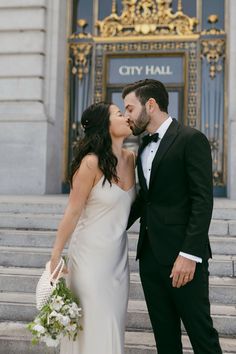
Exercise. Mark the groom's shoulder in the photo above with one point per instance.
(187, 131)
(191, 136)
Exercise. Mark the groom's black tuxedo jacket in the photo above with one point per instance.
(175, 211)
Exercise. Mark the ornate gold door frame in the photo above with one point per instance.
(151, 27)
(187, 48)
(123, 68)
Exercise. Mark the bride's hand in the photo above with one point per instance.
(53, 264)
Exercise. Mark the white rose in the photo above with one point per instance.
(74, 306)
(53, 314)
(50, 342)
(64, 320)
(72, 313)
(75, 310)
(39, 328)
(58, 298)
(57, 303)
(37, 320)
(66, 307)
(71, 328)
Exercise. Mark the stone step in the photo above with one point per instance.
(143, 343)
(224, 209)
(45, 238)
(221, 290)
(220, 265)
(224, 317)
(15, 339)
(24, 280)
(47, 221)
(21, 307)
(31, 257)
(30, 221)
(225, 245)
(218, 227)
(27, 238)
(30, 204)
(21, 280)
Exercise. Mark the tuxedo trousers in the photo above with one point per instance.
(167, 306)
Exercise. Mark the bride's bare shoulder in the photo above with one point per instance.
(90, 161)
(88, 168)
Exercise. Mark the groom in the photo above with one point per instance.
(175, 206)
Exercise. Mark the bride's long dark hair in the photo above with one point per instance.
(96, 140)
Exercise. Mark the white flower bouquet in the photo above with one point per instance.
(58, 318)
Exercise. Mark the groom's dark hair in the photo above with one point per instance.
(149, 88)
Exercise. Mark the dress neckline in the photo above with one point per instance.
(114, 184)
(123, 190)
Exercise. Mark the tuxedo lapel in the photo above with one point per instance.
(164, 146)
(142, 179)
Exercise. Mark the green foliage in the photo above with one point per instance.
(59, 317)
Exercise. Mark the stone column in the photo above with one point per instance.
(55, 68)
(32, 68)
(231, 65)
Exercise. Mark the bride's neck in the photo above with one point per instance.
(117, 148)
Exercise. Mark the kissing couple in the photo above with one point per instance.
(174, 204)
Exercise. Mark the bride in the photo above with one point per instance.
(102, 190)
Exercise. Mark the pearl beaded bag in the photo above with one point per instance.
(47, 284)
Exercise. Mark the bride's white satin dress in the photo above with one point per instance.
(99, 271)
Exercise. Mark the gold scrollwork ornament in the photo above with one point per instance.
(146, 17)
(213, 50)
(81, 52)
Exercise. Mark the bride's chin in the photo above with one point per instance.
(128, 134)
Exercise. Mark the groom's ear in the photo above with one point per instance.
(150, 105)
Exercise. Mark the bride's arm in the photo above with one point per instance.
(83, 181)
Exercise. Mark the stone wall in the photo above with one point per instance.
(231, 103)
(32, 68)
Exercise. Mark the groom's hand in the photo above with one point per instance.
(182, 271)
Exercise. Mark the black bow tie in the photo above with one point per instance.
(147, 139)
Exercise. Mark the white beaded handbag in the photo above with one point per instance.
(47, 284)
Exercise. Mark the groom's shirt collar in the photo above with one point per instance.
(149, 152)
(163, 128)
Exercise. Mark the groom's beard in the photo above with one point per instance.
(141, 123)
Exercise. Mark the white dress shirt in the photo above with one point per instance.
(147, 157)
